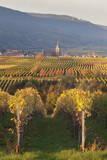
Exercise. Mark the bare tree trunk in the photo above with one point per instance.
(18, 137)
(83, 131)
(19, 129)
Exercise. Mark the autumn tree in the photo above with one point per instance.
(22, 105)
(4, 117)
(50, 102)
(4, 97)
(51, 97)
(91, 85)
(38, 60)
(78, 103)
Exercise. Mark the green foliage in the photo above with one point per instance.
(100, 100)
(100, 106)
(63, 155)
(91, 85)
(58, 143)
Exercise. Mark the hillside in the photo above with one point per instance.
(20, 30)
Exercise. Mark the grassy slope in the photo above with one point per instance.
(51, 139)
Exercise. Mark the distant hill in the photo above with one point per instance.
(20, 30)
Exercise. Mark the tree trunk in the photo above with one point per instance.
(19, 129)
(18, 142)
(83, 131)
(18, 137)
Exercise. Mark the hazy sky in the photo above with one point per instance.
(92, 10)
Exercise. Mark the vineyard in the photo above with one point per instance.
(18, 69)
(53, 108)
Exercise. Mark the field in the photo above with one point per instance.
(48, 137)
(16, 69)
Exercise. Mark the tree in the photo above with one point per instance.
(91, 85)
(22, 105)
(51, 101)
(69, 82)
(78, 103)
(38, 60)
(4, 97)
(52, 94)
(100, 107)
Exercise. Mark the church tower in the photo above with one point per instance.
(57, 49)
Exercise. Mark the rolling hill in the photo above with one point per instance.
(19, 30)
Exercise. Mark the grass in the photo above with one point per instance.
(7, 66)
(51, 139)
(63, 155)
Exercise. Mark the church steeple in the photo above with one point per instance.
(57, 49)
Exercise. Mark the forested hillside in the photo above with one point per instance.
(27, 30)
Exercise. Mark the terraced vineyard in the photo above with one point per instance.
(17, 69)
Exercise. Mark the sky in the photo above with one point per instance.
(91, 10)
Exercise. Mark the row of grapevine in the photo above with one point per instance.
(16, 69)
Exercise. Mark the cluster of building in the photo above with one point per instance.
(12, 52)
(53, 52)
(57, 51)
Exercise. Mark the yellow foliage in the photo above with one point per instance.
(75, 100)
(25, 102)
(4, 97)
